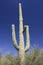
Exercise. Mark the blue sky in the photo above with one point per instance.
(32, 16)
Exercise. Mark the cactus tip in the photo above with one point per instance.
(19, 4)
(12, 25)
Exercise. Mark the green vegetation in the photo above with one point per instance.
(34, 57)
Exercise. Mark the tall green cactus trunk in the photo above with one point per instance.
(21, 48)
(21, 37)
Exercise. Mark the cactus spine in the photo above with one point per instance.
(20, 47)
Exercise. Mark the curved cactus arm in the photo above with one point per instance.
(14, 37)
(26, 27)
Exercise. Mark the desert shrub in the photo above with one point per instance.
(34, 57)
(11, 58)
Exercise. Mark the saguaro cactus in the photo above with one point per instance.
(21, 47)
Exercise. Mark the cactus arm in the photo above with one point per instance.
(14, 37)
(26, 27)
